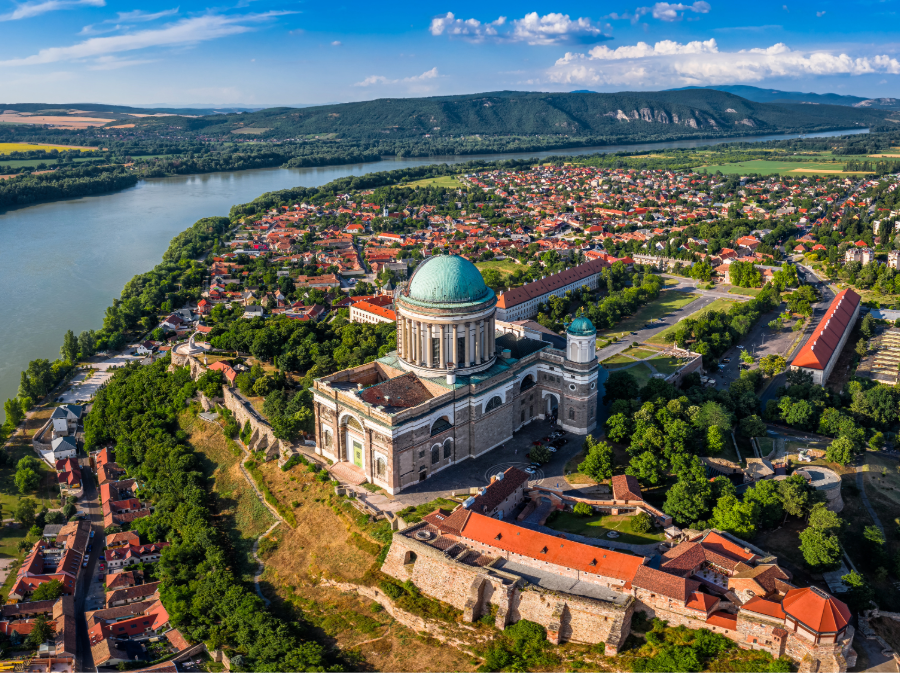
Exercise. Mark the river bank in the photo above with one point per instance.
(65, 261)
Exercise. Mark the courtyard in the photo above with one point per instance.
(601, 526)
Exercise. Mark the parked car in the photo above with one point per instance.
(530, 470)
(558, 443)
(726, 360)
(92, 533)
(741, 347)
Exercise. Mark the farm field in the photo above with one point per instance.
(769, 167)
(665, 303)
(448, 181)
(717, 305)
(31, 163)
(7, 148)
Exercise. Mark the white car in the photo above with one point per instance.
(740, 347)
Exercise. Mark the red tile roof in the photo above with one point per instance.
(816, 609)
(701, 601)
(375, 310)
(538, 288)
(663, 583)
(820, 347)
(763, 607)
(626, 487)
(722, 620)
(719, 544)
(543, 547)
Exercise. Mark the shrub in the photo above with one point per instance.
(583, 509)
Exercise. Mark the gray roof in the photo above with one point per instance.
(52, 529)
(57, 443)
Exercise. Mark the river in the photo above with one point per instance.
(64, 262)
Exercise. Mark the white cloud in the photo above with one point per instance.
(123, 19)
(668, 63)
(336, 43)
(181, 33)
(381, 79)
(820, 14)
(533, 28)
(113, 63)
(665, 11)
(26, 10)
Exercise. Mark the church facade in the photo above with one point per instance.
(454, 389)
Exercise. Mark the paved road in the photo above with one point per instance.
(84, 660)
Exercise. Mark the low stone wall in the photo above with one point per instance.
(262, 438)
(614, 506)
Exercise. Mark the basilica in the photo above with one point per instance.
(455, 388)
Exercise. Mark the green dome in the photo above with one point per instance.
(448, 279)
(581, 327)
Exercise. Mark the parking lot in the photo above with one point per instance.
(86, 384)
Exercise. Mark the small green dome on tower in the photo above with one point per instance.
(581, 326)
(448, 279)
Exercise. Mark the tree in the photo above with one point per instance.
(619, 428)
(620, 386)
(55, 518)
(795, 495)
(583, 509)
(69, 511)
(746, 358)
(736, 517)
(861, 349)
(41, 630)
(867, 326)
(14, 413)
(766, 495)
(48, 591)
(687, 501)
(27, 480)
(713, 414)
(69, 350)
(598, 463)
(752, 426)
(87, 343)
(772, 364)
(647, 467)
(715, 440)
(821, 549)
(541, 454)
(641, 523)
(840, 451)
(859, 592)
(823, 519)
(25, 511)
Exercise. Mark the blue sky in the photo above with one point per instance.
(279, 52)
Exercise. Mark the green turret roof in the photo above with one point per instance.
(448, 279)
(582, 327)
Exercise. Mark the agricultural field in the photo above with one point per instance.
(448, 181)
(717, 305)
(770, 167)
(8, 148)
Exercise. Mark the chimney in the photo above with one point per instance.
(387, 400)
(451, 377)
(493, 478)
(359, 386)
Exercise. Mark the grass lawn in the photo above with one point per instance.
(620, 359)
(448, 181)
(17, 448)
(667, 302)
(767, 167)
(505, 266)
(766, 445)
(239, 511)
(666, 364)
(599, 526)
(641, 374)
(641, 353)
(717, 305)
(745, 291)
(573, 476)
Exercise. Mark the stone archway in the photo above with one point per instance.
(552, 406)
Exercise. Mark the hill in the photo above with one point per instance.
(116, 111)
(759, 95)
(621, 116)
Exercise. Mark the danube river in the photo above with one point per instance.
(64, 262)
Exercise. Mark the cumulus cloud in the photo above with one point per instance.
(336, 43)
(666, 11)
(533, 28)
(820, 14)
(26, 10)
(669, 63)
(381, 79)
(181, 33)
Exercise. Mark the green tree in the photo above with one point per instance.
(69, 350)
(767, 497)
(647, 467)
(583, 509)
(87, 343)
(713, 414)
(27, 480)
(25, 511)
(867, 326)
(619, 428)
(599, 462)
(48, 591)
(752, 426)
(820, 549)
(14, 413)
(859, 592)
(69, 511)
(736, 517)
(540, 454)
(641, 522)
(688, 501)
(620, 385)
(715, 440)
(861, 348)
(823, 519)
(840, 451)
(795, 494)
(41, 630)
(772, 364)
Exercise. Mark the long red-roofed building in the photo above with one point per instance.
(820, 353)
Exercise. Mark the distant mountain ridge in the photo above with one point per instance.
(118, 110)
(760, 95)
(625, 115)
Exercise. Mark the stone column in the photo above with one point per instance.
(478, 328)
(443, 347)
(468, 344)
(429, 355)
(454, 347)
(413, 334)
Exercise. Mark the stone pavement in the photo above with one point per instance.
(83, 388)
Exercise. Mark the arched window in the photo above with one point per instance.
(380, 467)
(493, 403)
(440, 425)
(353, 423)
(435, 454)
(527, 383)
(448, 447)
(571, 414)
